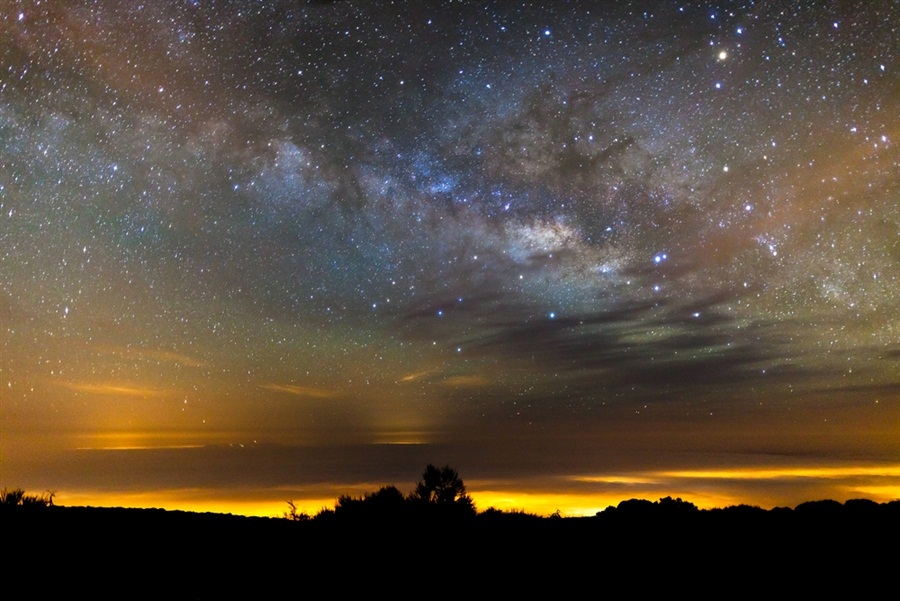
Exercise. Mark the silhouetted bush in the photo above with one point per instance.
(632, 507)
(823, 508)
(676, 507)
(387, 503)
(19, 498)
(293, 515)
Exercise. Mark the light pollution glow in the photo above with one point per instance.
(831, 483)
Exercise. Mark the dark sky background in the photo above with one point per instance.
(580, 251)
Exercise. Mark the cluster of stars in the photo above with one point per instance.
(314, 188)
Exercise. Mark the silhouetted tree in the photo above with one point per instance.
(442, 488)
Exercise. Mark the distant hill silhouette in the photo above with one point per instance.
(383, 540)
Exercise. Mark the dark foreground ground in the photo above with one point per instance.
(634, 550)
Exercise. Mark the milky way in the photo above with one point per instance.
(438, 221)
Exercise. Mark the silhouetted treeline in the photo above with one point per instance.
(387, 539)
(440, 494)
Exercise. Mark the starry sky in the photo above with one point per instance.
(581, 251)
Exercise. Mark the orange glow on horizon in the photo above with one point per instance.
(545, 504)
(582, 495)
(273, 503)
(198, 501)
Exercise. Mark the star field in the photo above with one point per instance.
(450, 223)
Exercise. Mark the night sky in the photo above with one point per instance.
(580, 251)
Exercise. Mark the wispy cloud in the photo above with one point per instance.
(151, 354)
(465, 380)
(763, 473)
(112, 389)
(434, 376)
(304, 391)
(417, 376)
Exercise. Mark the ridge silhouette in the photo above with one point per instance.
(435, 537)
